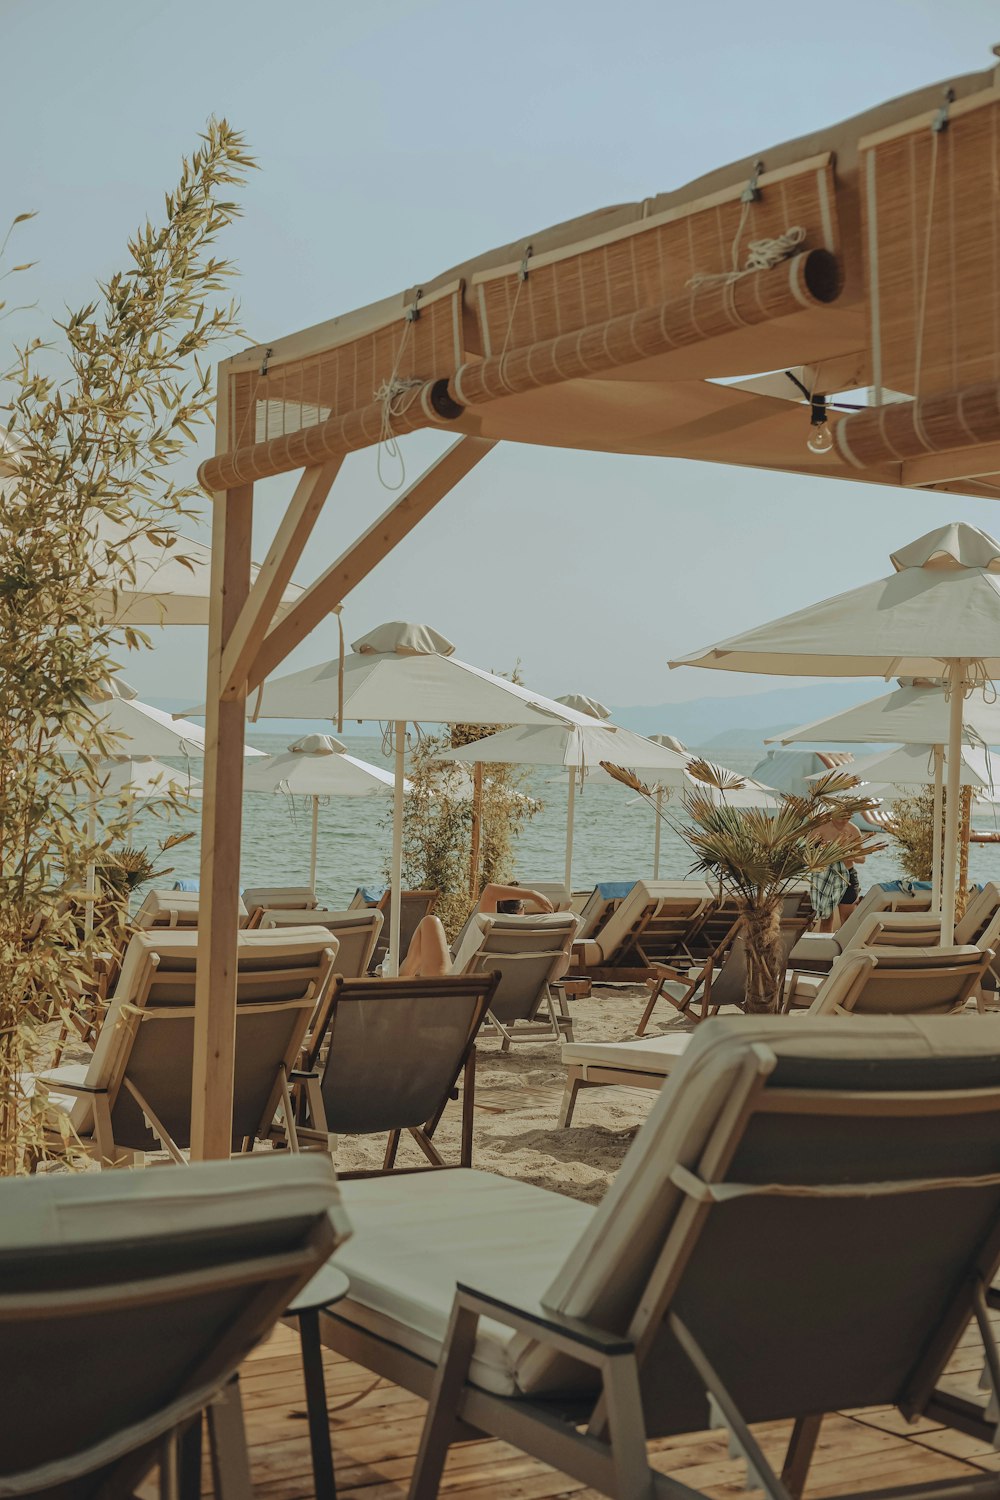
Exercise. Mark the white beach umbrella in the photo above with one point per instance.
(402, 673)
(141, 777)
(578, 747)
(915, 713)
(937, 615)
(914, 765)
(318, 766)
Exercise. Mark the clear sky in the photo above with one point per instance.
(396, 138)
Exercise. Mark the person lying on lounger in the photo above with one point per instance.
(429, 955)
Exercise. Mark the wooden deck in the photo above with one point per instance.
(376, 1427)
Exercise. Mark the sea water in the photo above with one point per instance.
(613, 839)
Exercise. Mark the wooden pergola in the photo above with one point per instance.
(728, 321)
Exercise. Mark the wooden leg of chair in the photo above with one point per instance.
(227, 1438)
(391, 1147)
(440, 1426)
(627, 1429)
(574, 1083)
(319, 1421)
(801, 1446)
(656, 987)
(169, 1488)
(189, 1460)
(427, 1146)
(468, 1108)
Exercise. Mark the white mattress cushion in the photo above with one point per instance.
(816, 947)
(416, 1236)
(653, 1054)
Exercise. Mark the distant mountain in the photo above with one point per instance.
(747, 721)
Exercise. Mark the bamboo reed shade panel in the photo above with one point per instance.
(652, 261)
(932, 236)
(346, 377)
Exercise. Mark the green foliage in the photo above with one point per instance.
(96, 420)
(912, 827)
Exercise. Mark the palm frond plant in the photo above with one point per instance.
(757, 854)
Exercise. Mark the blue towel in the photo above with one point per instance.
(615, 890)
(905, 887)
(192, 883)
(371, 895)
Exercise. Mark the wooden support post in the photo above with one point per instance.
(332, 587)
(222, 812)
(275, 575)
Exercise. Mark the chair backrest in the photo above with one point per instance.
(652, 921)
(878, 899)
(527, 952)
(557, 893)
(356, 933)
(147, 1038)
(396, 1048)
(901, 981)
(280, 898)
(897, 929)
(144, 1291)
(597, 908)
(748, 1158)
(979, 914)
(173, 909)
(414, 906)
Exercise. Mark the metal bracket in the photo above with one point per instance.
(940, 120)
(413, 311)
(522, 274)
(263, 363)
(751, 192)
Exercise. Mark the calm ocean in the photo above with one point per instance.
(613, 841)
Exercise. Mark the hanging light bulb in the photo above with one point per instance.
(820, 439)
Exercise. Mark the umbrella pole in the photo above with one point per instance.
(936, 837)
(570, 813)
(956, 680)
(390, 968)
(656, 836)
(315, 841)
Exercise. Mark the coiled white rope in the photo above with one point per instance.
(761, 255)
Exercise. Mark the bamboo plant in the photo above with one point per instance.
(756, 854)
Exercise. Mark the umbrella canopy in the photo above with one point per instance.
(914, 765)
(402, 672)
(580, 747)
(153, 584)
(937, 614)
(140, 776)
(318, 766)
(143, 729)
(913, 714)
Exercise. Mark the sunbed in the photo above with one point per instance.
(717, 921)
(719, 980)
(529, 954)
(414, 906)
(174, 909)
(871, 981)
(557, 893)
(816, 951)
(603, 900)
(260, 898)
(649, 927)
(762, 1255)
(356, 933)
(129, 1304)
(135, 1094)
(394, 1051)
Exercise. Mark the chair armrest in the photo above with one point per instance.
(586, 1336)
(63, 1086)
(302, 1075)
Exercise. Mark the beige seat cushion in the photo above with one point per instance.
(815, 947)
(654, 1054)
(415, 1236)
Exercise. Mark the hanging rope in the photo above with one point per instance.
(395, 397)
(762, 255)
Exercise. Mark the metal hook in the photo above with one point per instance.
(413, 311)
(751, 192)
(940, 120)
(522, 274)
(263, 363)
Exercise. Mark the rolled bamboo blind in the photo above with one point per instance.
(650, 262)
(938, 423)
(931, 216)
(712, 309)
(286, 398)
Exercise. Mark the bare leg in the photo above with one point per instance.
(428, 954)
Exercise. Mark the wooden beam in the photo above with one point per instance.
(275, 574)
(221, 825)
(332, 587)
(947, 468)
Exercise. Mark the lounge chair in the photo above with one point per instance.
(871, 981)
(649, 927)
(173, 909)
(719, 980)
(600, 904)
(394, 1052)
(557, 893)
(529, 954)
(717, 921)
(128, 1306)
(814, 1152)
(356, 933)
(414, 906)
(280, 898)
(135, 1094)
(816, 951)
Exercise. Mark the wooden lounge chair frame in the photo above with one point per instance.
(602, 1442)
(644, 944)
(484, 960)
(311, 1109)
